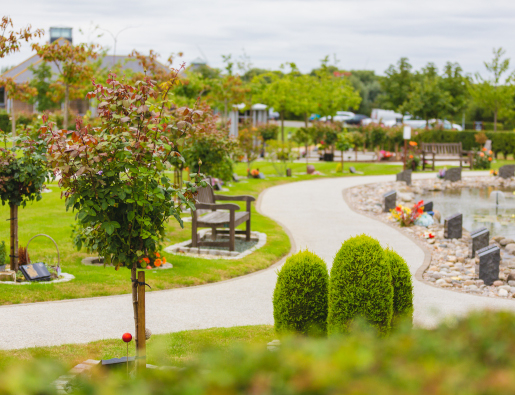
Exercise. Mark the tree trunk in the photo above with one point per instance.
(14, 237)
(306, 119)
(225, 113)
(495, 120)
(307, 153)
(342, 161)
(282, 126)
(66, 106)
(13, 122)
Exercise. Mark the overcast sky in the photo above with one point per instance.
(363, 34)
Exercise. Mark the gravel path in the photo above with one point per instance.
(317, 217)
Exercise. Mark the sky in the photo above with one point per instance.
(359, 34)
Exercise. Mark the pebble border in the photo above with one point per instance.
(66, 277)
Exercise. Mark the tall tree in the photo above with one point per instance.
(397, 85)
(75, 68)
(10, 40)
(455, 83)
(495, 92)
(17, 92)
(428, 98)
(41, 81)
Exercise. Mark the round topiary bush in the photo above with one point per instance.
(360, 285)
(402, 286)
(300, 295)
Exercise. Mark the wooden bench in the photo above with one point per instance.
(215, 218)
(445, 152)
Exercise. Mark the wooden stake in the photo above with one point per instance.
(141, 360)
(14, 237)
(405, 154)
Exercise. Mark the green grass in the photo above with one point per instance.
(171, 349)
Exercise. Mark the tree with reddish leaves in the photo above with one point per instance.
(10, 40)
(75, 68)
(114, 176)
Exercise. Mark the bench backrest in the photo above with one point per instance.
(442, 148)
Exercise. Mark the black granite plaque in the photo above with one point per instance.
(405, 176)
(115, 363)
(480, 239)
(389, 201)
(428, 206)
(507, 171)
(352, 170)
(489, 259)
(35, 272)
(453, 174)
(453, 226)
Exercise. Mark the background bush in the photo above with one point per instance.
(402, 287)
(360, 285)
(300, 295)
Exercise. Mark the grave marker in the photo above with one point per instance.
(389, 201)
(428, 206)
(507, 171)
(489, 259)
(453, 226)
(405, 176)
(480, 239)
(35, 272)
(453, 174)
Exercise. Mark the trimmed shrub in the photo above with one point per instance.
(360, 285)
(300, 295)
(402, 287)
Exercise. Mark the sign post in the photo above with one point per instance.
(406, 135)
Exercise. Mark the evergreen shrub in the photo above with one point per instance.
(300, 295)
(402, 286)
(360, 286)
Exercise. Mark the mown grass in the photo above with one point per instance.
(171, 349)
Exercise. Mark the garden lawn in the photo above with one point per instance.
(171, 349)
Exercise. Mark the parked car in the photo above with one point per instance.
(356, 119)
(314, 117)
(273, 114)
(341, 116)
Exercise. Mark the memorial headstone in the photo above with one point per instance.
(389, 201)
(35, 272)
(507, 171)
(453, 226)
(453, 174)
(352, 170)
(405, 176)
(288, 172)
(480, 239)
(489, 260)
(428, 206)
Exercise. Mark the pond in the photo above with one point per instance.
(481, 207)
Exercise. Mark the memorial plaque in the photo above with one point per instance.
(489, 259)
(115, 363)
(352, 170)
(389, 201)
(507, 171)
(453, 174)
(428, 206)
(3, 268)
(480, 239)
(405, 176)
(453, 227)
(35, 272)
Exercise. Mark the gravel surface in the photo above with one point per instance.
(317, 217)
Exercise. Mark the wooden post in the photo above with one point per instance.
(14, 237)
(141, 352)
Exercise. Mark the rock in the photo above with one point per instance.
(440, 281)
(461, 259)
(511, 283)
(470, 282)
(452, 259)
(510, 248)
(471, 287)
(502, 292)
(406, 197)
(498, 283)
(497, 238)
(505, 242)
(479, 283)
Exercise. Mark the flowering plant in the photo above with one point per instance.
(493, 172)
(152, 260)
(407, 216)
(483, 159)
(385, 155)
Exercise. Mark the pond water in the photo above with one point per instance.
(491, 208)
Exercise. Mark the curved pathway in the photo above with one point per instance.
(317, 217)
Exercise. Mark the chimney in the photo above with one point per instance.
(61, 32)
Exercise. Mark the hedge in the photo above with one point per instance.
(300, 295)
(360, 286)
(402, 287)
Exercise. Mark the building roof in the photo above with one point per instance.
(21, 73)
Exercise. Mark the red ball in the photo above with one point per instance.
(126, 337)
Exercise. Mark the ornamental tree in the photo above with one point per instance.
(22, 92)
(114, 175)
(23, 171)
(74, 66)
(10, 40)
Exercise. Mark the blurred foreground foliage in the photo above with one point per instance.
(474, 355)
